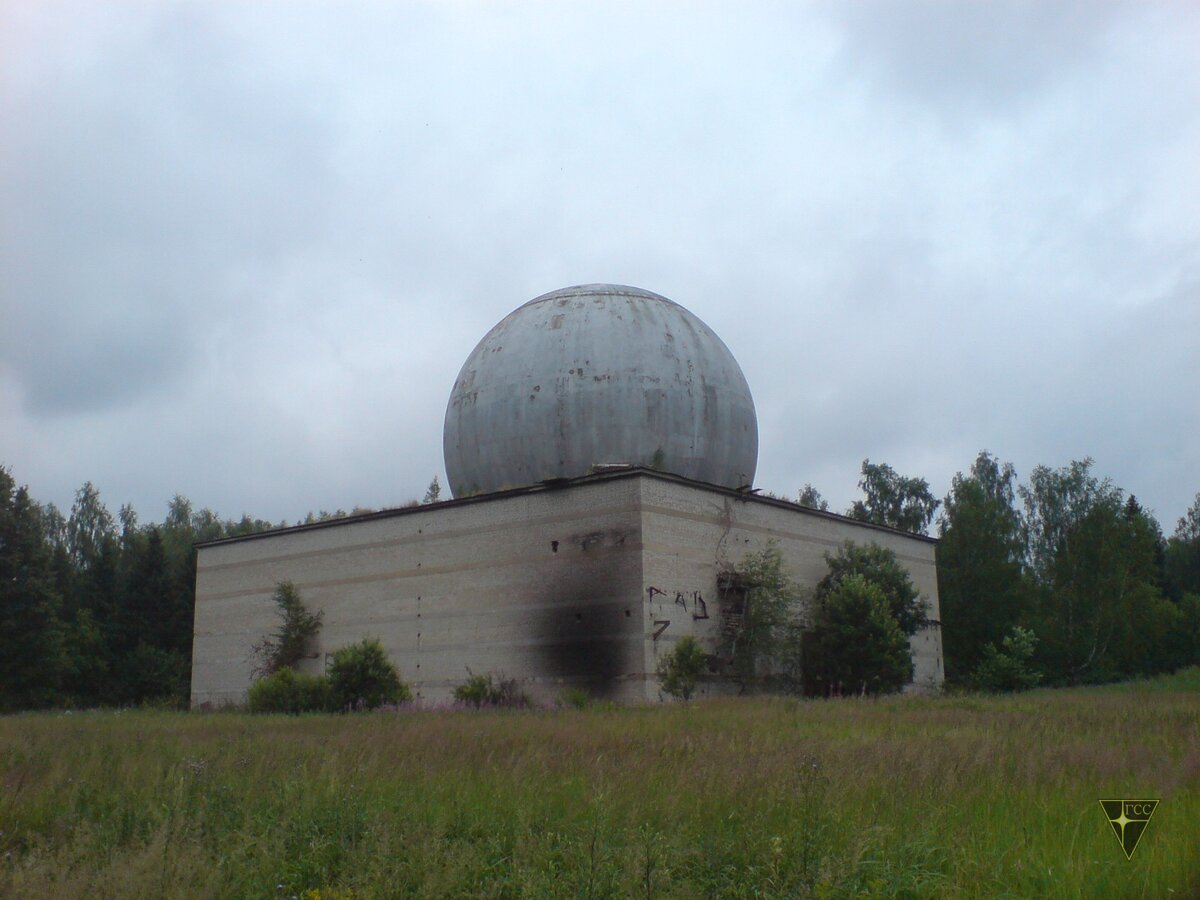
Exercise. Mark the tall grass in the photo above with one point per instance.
(943, 797)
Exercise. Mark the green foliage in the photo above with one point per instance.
(879, 566)
(769, 645)
(981, 590)
(91, 615)
(89, 527)
(33, 658)
(1056, 503)
(1093, 566)
(1010, 668)
(475, 691)
(758, 604)
(97, 609)
(433, 493)
(290, 644)
(362, 677)
(857, 645)
(88, 661)
(811, 498)
(144, 619)
(1182, 555)
(893, 500)
(576, 698)
(1184, 642)
(152, 674)
(679, 670)
(287, 691)
(491, 690)
(1085, 567)
(737, 797)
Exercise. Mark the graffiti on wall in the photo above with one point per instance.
(691, 602)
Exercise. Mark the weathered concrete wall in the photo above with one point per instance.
(689, 534)
(556, 587)
(543, 586)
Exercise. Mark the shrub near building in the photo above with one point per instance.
(491, 690)
(680, 669)
(864, 612)
(362, 677)
(287, 691)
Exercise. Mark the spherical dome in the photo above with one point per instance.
(598, 374)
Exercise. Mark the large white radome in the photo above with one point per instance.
(598, 374)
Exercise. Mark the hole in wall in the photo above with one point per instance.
(554, 546)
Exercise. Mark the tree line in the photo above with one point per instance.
(1066, 572)
(96, 610)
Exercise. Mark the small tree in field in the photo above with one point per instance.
(857, 646)
(1009, 668)
(362, 677)
(680, 669)
(879, 566)
(283, 649)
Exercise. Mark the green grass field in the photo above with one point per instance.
(918, 797)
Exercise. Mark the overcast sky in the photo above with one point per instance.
(245, 247)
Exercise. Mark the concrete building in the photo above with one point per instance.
(600, 442)
(582, 583)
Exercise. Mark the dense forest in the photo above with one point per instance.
(1067, 567)
(97, 610)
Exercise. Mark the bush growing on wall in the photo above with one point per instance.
(758, 607)
(284, 648)
(362, 677)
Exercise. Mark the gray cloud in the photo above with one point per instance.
(143, 179)
(973, 58)
(245, 252)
